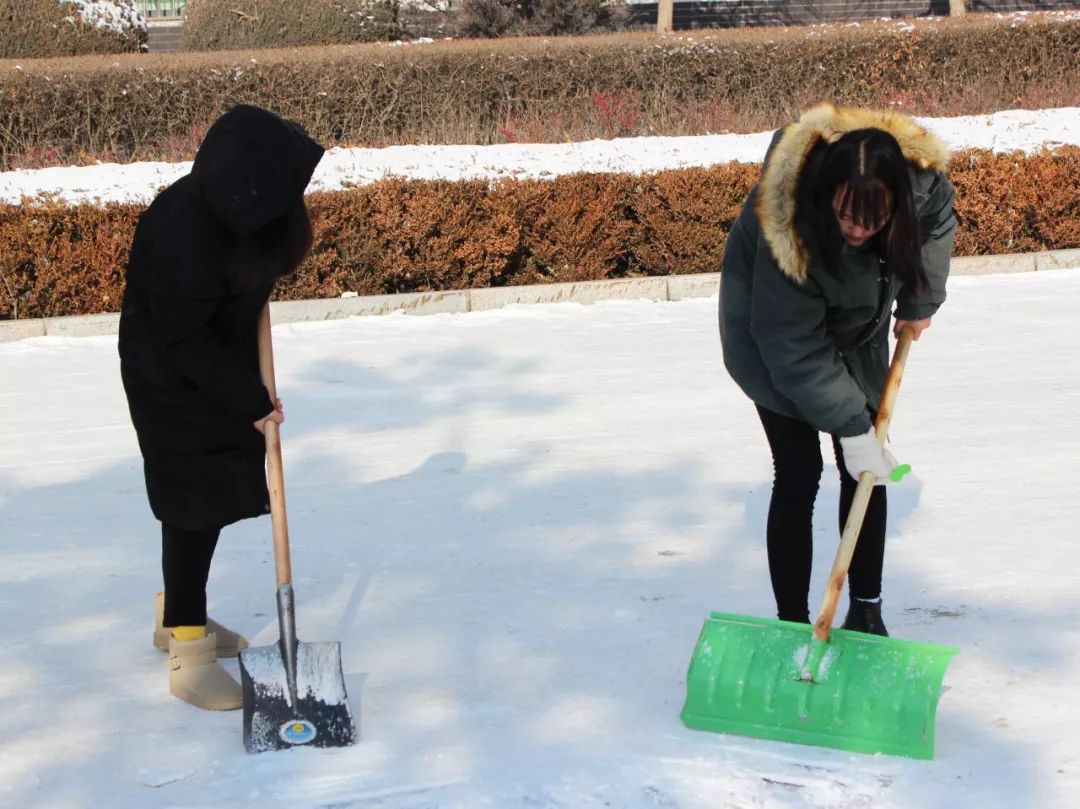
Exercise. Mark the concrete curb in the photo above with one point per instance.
(662, 288)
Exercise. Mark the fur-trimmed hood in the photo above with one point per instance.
(778, 187)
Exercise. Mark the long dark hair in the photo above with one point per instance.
(274, 250)
(873, 173)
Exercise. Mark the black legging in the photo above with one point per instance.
(796, 451)
(185, 565)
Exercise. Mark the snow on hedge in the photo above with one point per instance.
(119, 16)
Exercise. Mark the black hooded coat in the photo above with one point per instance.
(203, 262)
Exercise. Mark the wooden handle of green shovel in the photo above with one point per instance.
(275, 474)
(853, 526)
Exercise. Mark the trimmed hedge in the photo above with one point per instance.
(45, 28)
(496, 18)
(402, 236)
(238, 24)
(157, 107)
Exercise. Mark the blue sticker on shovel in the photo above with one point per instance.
(297, 731)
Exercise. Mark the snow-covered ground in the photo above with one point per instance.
(139, 182)
(515, 523)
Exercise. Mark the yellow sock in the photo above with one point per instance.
(189, 632)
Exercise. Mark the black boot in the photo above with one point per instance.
(865, 616)
(799, 617)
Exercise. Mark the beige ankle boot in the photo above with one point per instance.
(195, 676)
(229, 642)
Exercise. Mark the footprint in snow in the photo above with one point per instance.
(658, 797)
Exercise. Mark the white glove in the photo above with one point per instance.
(864, 453)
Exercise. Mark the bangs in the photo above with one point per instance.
(866, 200)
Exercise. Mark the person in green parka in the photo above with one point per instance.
(851, 217)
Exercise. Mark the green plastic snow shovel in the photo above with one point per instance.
(832, 688)
(294, 693)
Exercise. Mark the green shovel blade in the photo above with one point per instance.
(867, 694)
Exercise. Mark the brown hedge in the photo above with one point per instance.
(402, 236)
(45, 28)
(157, 106)
(238, 24)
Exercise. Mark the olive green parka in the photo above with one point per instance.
(804, 341)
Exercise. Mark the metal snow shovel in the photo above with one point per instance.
(294, 693)
(833, 688)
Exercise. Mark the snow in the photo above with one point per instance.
(115, 15)
(515, 522)
(317, 671)
(139, 182)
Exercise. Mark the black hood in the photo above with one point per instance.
(253, 167)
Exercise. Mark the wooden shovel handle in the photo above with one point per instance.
(275, 474)
(854, 522)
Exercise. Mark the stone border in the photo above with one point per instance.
(656, 288)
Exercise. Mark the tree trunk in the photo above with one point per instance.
(665, 15)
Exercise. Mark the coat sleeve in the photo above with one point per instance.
(938, 221)
(787, 321)
(185, 336)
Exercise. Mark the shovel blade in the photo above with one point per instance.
(321, 717)
(867, 694)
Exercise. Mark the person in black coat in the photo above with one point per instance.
(203, 262)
